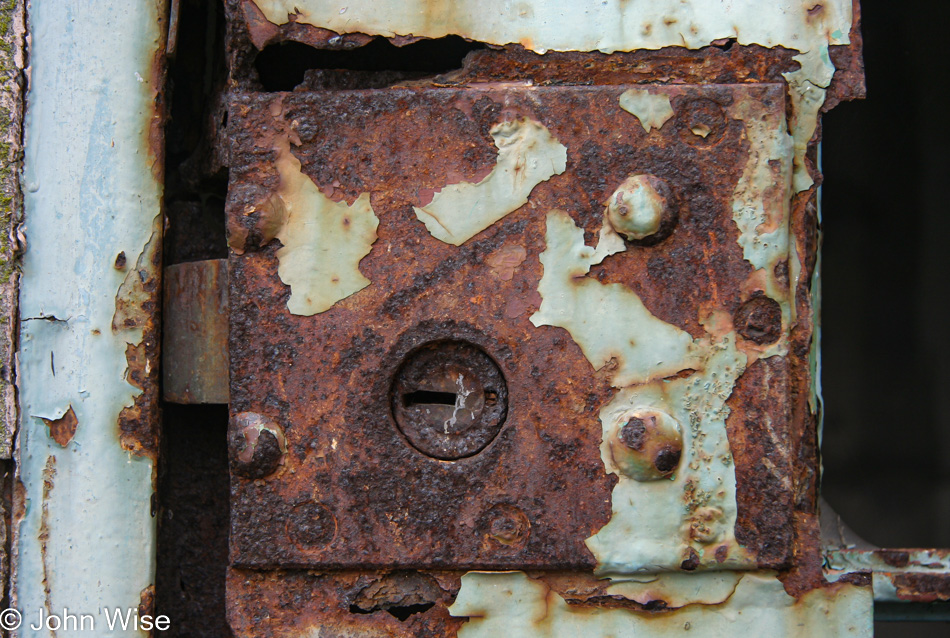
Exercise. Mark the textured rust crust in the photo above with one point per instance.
(366, 603)
(922, 588)
(759, 439)
(138, 308)
(848, 82)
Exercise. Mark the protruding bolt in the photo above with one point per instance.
(641, 209)
(645, 444)
(759, 320)
(256, 445)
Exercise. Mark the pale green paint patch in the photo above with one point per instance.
(323, 241)
(527, 155)
(608, 321)
(568, 25)
(512, 605)
(679, 589)
(761, 199)
(657, 525)
(652, 109)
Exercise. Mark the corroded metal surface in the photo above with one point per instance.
(684, 351)
(195, 335)
(326, 379)
(898, 575)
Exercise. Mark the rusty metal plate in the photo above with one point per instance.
(340, 482)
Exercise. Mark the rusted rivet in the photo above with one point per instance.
(256, 445)
(641, 209)
(759, 320)
(645, 444)
(506, 525)
(311, 525)
(449, 399)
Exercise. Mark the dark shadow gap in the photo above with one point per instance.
(290, 65)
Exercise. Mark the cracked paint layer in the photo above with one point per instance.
(81, 214)
(512, 604)
(652, 109)
(527, 155)
(323, 240)
(642, 346)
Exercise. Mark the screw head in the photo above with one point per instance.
(641, 209)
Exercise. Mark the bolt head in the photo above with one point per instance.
(640, 208)
(256, 445)
(645, 444)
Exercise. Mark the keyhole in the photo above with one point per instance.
(425, 397)
(449, 399)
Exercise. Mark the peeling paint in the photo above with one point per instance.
(642, 346)
(652, 109)
(94, 535)
(678, 590)
(513, 605)
(527, 155)
(613, 25)
(323, 240)
(682, 522)
(898, 575)
(760, 204)
(63, 429)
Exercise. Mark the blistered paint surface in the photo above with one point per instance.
(608, 321)
(85, 540)
(323, 240)
(652, 109)
(511, 604)
(527, 155)
(662, 524)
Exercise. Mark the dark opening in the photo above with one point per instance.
(379, 63)
(424, 397)
(400, 612)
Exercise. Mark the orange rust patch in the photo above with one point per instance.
(504, 262)
(63, 429)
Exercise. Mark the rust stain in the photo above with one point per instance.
(63, 429)
(504, 261)
(137, 308)
(49, 473)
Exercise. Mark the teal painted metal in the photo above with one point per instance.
(85, 538)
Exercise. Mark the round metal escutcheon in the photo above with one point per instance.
(449, 399)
